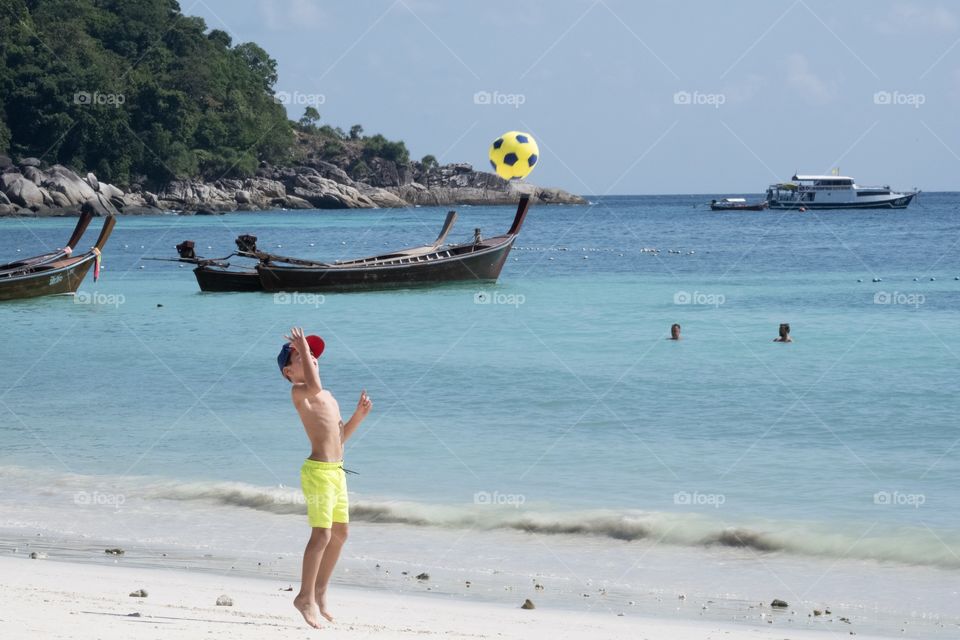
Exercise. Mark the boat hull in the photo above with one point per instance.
(214, 279)
(46, 282)
(900, 201)
(482, 265)
(743, 207)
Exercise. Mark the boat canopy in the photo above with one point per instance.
(812, 178)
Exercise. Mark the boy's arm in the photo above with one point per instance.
(363, 409)
(311, 377)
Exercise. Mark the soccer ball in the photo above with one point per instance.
(514, 154)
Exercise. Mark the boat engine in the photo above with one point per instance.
(185, 249)
(247, 243)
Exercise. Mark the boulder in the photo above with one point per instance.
(29, 162)
(243, 197)
(22, 191)
(383, 198)
(133, 200)
(324, 193)
(61, 179)
(292, 202)
(3, 198)
(109, 190)
(266, 187)
(34, 175)
(59, 200)
(195, 195)
(150, 199)
(5, 162)
(92, 181)
(331, 171)
(8, 209)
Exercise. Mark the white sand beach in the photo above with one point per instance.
(53, 599)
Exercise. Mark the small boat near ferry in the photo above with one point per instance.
(834, 192)
(737, 204)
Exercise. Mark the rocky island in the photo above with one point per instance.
(29, 189)
(187, 122)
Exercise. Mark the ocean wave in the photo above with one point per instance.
(906, 545)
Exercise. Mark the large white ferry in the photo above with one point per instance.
(834, 192)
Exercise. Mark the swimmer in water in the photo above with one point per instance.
(784, 333)
(674, 332)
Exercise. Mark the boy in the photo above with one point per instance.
(322, 476)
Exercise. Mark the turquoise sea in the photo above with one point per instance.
(548, 411)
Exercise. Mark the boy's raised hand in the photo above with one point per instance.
(297, 338)
(363, 405)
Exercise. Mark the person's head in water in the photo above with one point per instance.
(674, 331)
(784, 333)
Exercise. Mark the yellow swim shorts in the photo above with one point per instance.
(325, 489)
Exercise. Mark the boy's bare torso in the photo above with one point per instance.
(321, 419)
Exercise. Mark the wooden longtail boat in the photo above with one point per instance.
(60, 275)
(479, 260)
(18, 266)
(218, 274)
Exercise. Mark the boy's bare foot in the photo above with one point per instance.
(322, 604)
(308, 610)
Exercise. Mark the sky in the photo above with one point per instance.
(632, 97)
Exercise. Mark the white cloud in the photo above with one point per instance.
(801, 78)
(284, 15)
(910, 16)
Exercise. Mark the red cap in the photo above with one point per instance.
(316, 345)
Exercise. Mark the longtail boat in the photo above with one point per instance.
(479, 260)
(219, 274)
(62, 274)
(19, 265)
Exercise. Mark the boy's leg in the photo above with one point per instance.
(306, 601)
(338, 536)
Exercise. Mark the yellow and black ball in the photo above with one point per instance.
(514, 155)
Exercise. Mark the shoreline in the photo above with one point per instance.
(47, 598)
(27, 189)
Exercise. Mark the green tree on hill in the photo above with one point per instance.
(135, 89)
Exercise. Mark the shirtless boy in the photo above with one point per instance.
(322, 476)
